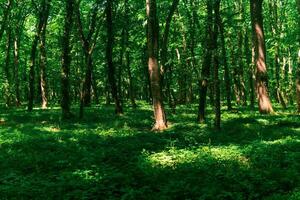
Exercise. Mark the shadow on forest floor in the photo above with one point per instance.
(108, 157)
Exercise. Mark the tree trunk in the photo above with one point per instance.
(109, 54)
(250, 65)
(7, 85)
(16, 69)
(206, 64)
(154, 72)
(217, 91)
(264, 102)
(66, 61)
(43, 58)
(225, 63)
(298, 68)
(43, 16)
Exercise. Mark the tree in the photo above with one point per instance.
(109, 59)
(43, 14)
(154, 72)
(264, 102)
(66, 60)
(215, 59)
(298, 67)
(205, 74)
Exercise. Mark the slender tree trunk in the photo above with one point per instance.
(127, 55)
(16, 69)
(66, 61)
(165, 66)
(206, 64)
(298, 67)
(109, 54)
(7, 74)
(43, 16)
(154, 72)
(43, 58)
(225, 64)
(217, 90)
(264, 102)
(248, 55)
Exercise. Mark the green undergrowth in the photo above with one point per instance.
(107, 157)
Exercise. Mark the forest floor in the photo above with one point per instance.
(108, 157)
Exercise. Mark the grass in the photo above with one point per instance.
(108, 157)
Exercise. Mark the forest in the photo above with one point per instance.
(152, 99)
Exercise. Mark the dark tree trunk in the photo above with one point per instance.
(225, 63)
(154, 72)
(264, 102)
(66, 61)
(206, 64)
(87, 47)
(7, 73)
(42, 20)
(217, 91)
(250, 65)
(109, 57)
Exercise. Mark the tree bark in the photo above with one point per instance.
(206, 63)
(16, 68)
(264, 102)
(42, 19)
(109, 54)
(298, 67)
(154, 72)
(66, 60)
(43, 54)
(7, 74)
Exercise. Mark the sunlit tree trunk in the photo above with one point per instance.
(16, 68)
(298, 67)
(264, 102)
(154, 72)
(66, 60)
(42, 19)
(43, 58)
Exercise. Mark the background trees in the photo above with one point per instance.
(102, 49)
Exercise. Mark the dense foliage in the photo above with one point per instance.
(223, 78)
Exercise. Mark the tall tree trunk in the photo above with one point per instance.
(248, 55)
(164, 51)
(127, 55)
(66, 60)
(225, 63)
(206, 64)
(42, 19)
(154, 72)
(264, 102)
(7, 75)
(217, 90)
(298, 67)
(43, 58)
(16, 69)
(109, 54)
